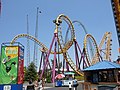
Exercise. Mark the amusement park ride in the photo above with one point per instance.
(116, 13)
(60, 47)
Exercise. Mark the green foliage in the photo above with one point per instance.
(47, 74)
(30, 72)
(48, 77)
(79, 78)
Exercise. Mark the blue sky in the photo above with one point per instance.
(96, 15)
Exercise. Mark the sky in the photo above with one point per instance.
(95, 15)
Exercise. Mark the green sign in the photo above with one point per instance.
(9, 65)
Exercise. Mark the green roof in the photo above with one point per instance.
(69, 73)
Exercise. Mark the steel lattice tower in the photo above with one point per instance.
(35, 45)
(28, 45)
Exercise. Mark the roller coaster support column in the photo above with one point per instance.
(79, 61)
(82, 56)
(46, 59)
(42, 60)
(67, 67)
(42, 57)
(63, 65)
(53, 69)
(76, 54)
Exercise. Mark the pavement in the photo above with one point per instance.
(38, 87)
(48, 86)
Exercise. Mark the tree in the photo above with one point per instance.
(31, 72)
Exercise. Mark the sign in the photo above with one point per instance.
(21, 66)
(9, 64)
(7, 87)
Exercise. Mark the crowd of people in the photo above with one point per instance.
(36, 85)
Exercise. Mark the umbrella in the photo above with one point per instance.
(59, 76)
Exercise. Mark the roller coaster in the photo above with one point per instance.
(116, 13)
(61, 47)
(103, 52)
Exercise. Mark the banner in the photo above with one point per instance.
(21, 65)
(9, 64)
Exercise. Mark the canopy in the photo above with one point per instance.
(59, 76)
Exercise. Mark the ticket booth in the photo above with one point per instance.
(103, 75)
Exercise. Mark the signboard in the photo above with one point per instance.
(7, 87)
(9, 64)
(21, 65)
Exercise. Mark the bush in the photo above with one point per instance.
(79, 78)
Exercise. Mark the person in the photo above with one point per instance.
(39, 82)
(118, 60)
(30, 86)
(36, 83)
(45, 80)
(119, 76)
(70, 78)
(30, 81)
